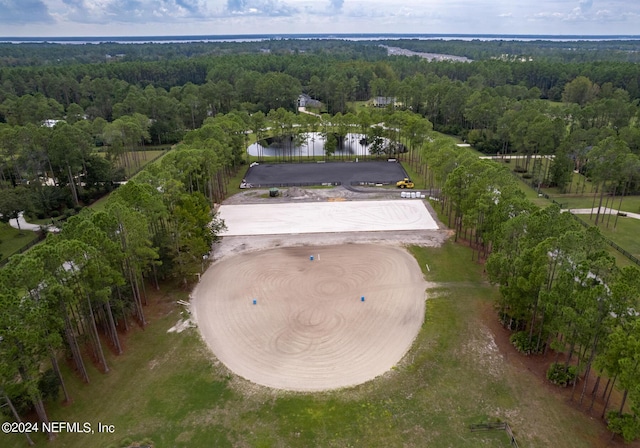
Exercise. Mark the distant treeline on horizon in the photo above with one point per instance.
(327, 36)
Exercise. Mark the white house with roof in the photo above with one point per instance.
(384, 101)
(305, 100)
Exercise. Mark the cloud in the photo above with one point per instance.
(332, 8)
(581, 12)
(141, 11)
(270, 8)
(608, 16)
(575, 15)
(24, 11)
(585, 5)
(336, 5)
(156, 17)
(193, 6)
(548, 15)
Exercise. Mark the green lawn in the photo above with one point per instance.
(140, 160)
(137, 160)
(532, 195)
(100, 204)
(417, 179)
(629, 203)
(579, 185)
(625, 233)
(12, 240)
(169, 389)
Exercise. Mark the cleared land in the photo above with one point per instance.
(309, 329)
(308, 217)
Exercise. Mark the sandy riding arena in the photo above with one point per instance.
(309, 328)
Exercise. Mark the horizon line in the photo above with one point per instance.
(311, 35)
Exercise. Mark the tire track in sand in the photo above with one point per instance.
(309, 330)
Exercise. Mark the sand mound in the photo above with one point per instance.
(295, 192)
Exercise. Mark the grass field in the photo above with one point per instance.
(137, 160)
(625, 233)
(579, 185)
(532, 195)
(148, 158)
(12, 240)
(629, 203)
(141, 159)
(167, 388)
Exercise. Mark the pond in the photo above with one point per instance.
(312, 145)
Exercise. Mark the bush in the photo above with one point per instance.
(20, 400)
(625, 425)
(69, 212)
(520, 341)
(49, 385)
(558, 375)
(55, 214)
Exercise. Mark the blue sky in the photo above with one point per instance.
(23, 18)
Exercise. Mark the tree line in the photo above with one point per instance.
(559, 287)
(74, 295)
(32, 54)
(359, 71)
(564, 51)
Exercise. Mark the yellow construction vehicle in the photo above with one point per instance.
(405, 183)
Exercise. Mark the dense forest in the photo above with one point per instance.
(71, 117)
(530, 106)
(560, 288)
(41, 54)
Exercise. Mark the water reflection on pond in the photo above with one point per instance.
(311, 144)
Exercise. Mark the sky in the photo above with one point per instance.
(57, 18)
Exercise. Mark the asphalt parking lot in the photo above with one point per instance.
(337, 173)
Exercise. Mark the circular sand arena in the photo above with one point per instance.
(309, 328)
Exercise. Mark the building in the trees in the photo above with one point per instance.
(384, 101)
(305, 100)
